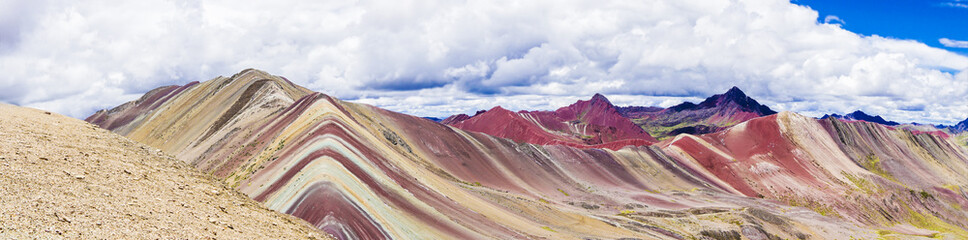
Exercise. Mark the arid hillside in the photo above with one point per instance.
(64, 178)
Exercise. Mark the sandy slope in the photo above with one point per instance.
(63, 178)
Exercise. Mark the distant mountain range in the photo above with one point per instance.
(961, 126)
(957, 128)
(607, 126)
(861, 116)
(597, 121)
(435, 119)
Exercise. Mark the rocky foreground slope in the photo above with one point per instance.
(62, 178)
(361, 172)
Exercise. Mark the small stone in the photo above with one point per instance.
(62, 218)
(79, 177)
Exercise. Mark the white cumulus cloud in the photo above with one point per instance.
(833, 19)
(435, 58)
(953, 43)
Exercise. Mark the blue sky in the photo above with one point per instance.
(926, 21)
(442, 57)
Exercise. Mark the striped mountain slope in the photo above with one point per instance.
(361, 172)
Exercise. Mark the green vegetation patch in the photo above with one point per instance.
(873, 164)
(934, 223)
(662, 132)
(962, 139)
(862, 183)
(822, 209)
(563, 192)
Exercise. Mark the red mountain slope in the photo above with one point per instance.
(592, 123)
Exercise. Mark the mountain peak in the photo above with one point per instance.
(735, 94)
(734, 97)
(598, 102)
(858, 114)
(497, 109)
(600, 98)
(455, 119)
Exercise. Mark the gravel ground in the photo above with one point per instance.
(62, 178)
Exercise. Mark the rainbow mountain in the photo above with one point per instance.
(360, 172)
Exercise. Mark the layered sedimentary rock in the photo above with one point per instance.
(361, 172)
(867, 173)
